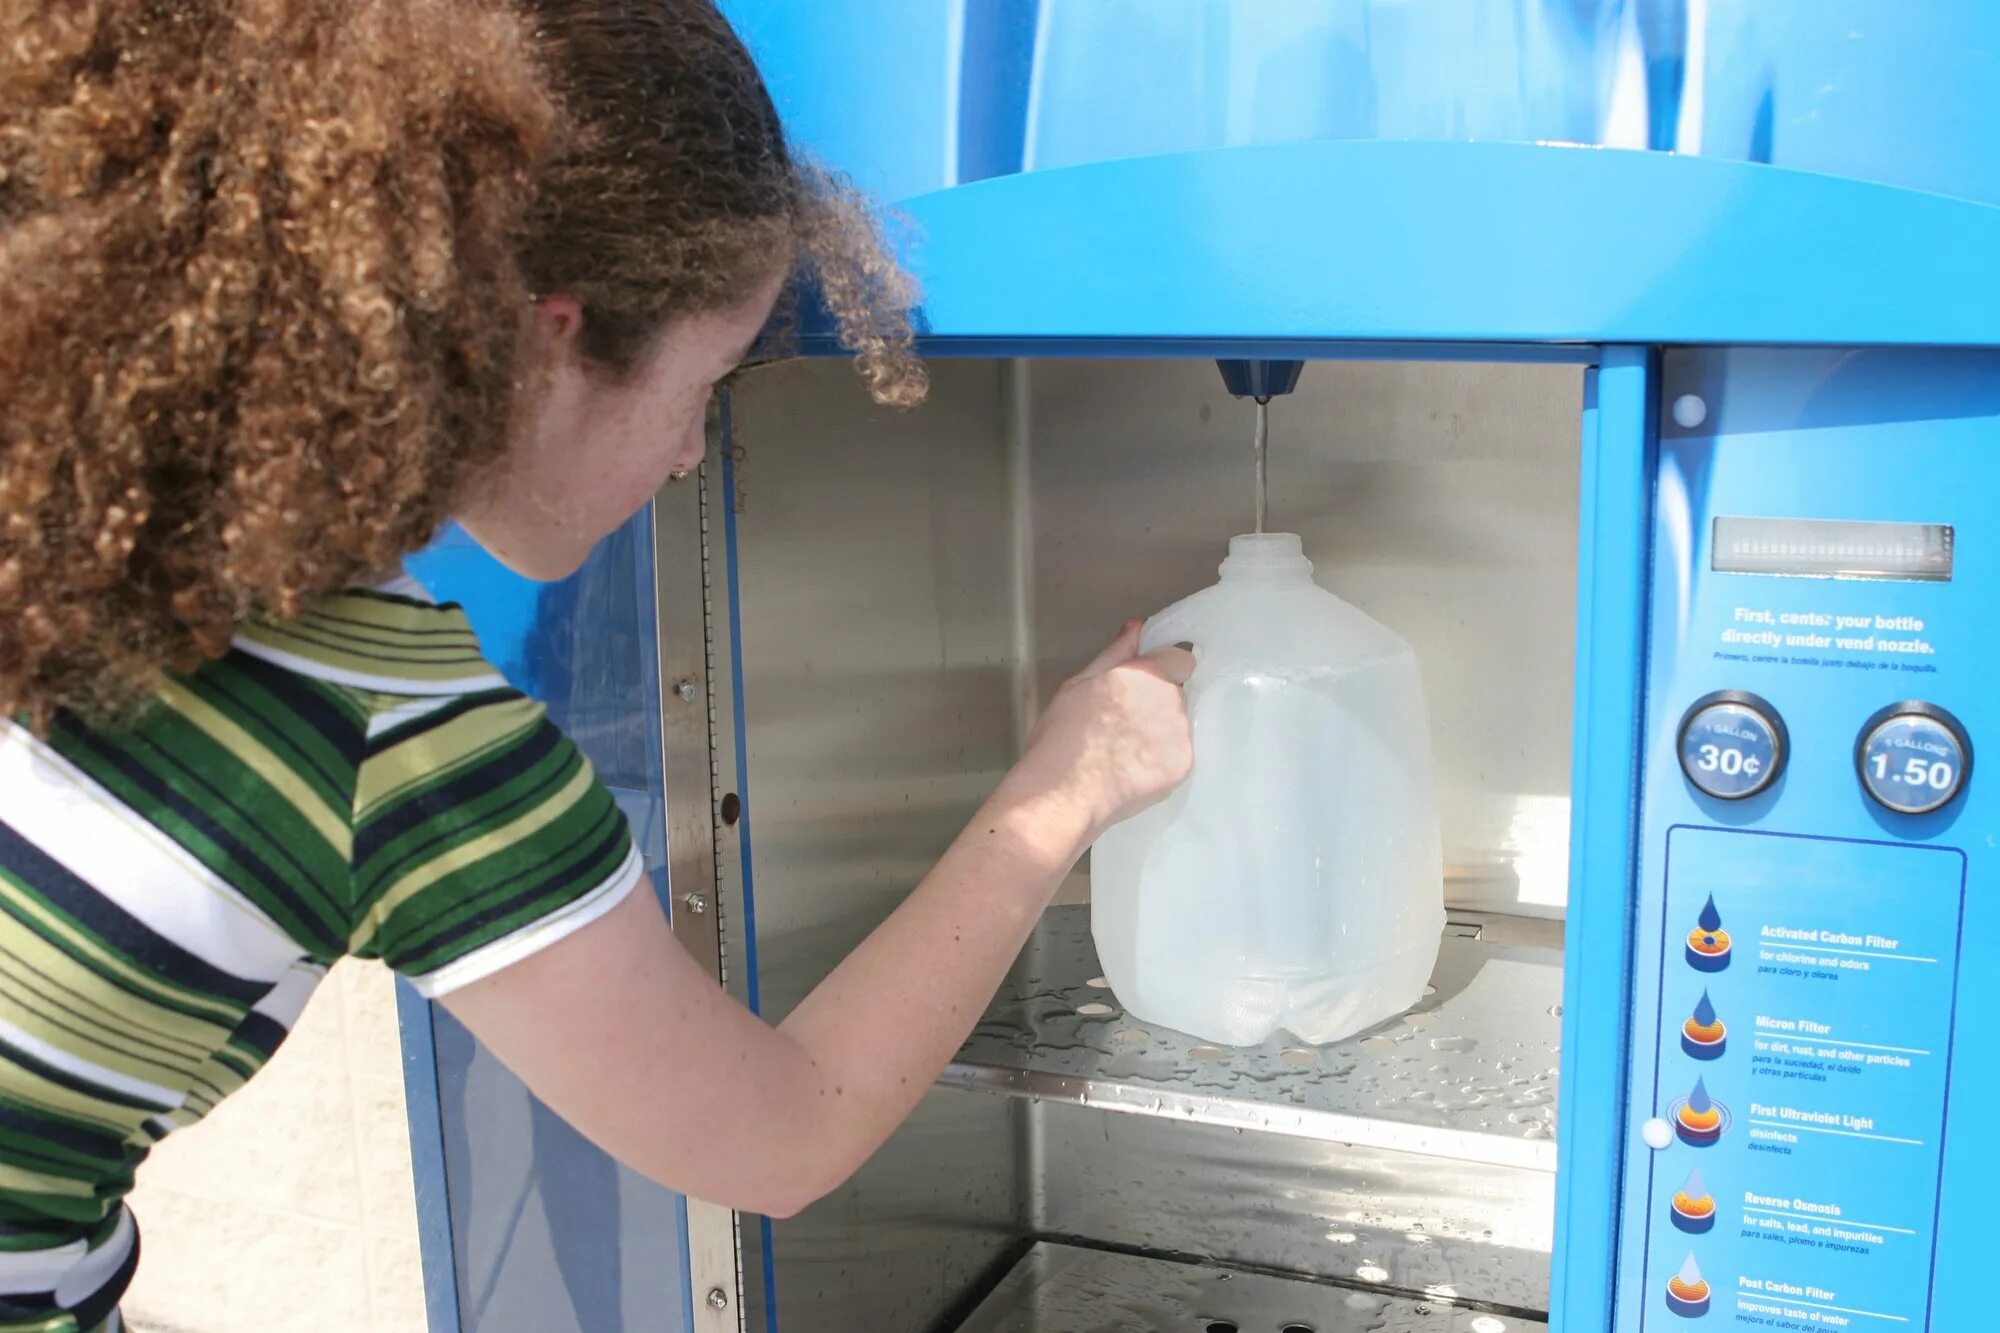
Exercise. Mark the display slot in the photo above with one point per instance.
(1469, 1073)
(1827, 549)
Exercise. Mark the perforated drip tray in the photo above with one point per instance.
(1468, 1074)
(1066, 1289)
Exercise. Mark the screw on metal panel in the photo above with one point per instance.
(686, 689)
(696, 903)
(718, 1299)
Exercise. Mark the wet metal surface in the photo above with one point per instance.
(1362, 1216)
(1468, 1074)
(1061, 1289)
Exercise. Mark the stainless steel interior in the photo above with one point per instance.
(1068, 1287)
(904, 587)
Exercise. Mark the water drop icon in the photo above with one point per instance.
(1688, 1292)
(1699, 1120)
(1703, 1035)
(1708, 943)
(1693, 1209)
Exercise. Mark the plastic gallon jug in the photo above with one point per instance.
(1296, 880)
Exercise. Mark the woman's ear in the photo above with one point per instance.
(558, 322)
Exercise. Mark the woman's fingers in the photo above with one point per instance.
(1121, 650)
(1175, 664)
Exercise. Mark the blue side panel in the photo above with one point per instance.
(1904, 94)
(1123, 78)
(995, 84)
(918, 95)
(921, 95)
(1444, 242)
(1807, 1083)
(541, 1231)
(426, 1117)
(844, 81)
(1615, 491)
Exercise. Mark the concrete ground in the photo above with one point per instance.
(291, 1206)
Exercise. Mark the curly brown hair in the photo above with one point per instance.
(265, 269)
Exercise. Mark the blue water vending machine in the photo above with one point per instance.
(1639, 362)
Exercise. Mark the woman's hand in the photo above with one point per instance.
(1112, 741)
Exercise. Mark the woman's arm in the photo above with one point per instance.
(623, 1034)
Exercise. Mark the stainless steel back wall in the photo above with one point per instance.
(1440, 498)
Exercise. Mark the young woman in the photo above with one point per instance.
(285, 285)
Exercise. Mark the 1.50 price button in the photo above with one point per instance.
(1914, 758)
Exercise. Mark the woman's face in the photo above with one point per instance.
(595, 448)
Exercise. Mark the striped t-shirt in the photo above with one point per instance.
(358, 781)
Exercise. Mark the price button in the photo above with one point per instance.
(1732, 745)
(1914, 758)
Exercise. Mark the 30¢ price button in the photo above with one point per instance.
(1732, 745)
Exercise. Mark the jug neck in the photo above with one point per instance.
(1267, 557)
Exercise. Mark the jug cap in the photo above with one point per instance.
(1266, 553)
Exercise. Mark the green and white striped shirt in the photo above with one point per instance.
(359, 781)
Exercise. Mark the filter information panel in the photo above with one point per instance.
(1801, 1074)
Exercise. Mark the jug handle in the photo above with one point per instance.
(1173, 625)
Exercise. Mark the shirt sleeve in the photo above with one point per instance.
(481, 835)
